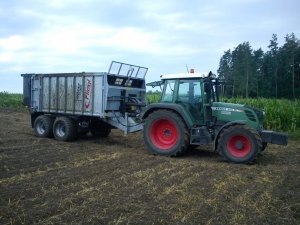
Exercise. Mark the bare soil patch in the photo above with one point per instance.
(116, 181)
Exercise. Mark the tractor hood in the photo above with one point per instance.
(226, 108)
(228, 112)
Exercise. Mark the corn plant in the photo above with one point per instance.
(8, 100)
(281, 114)
(153, 97)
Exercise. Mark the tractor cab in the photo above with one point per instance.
(193, 92)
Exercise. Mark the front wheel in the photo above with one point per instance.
(165, 133)
(239, 144)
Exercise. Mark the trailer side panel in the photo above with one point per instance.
(78, 94)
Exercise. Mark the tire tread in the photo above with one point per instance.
(257, 140)
(48, 121)
(161, 114)
(71, 129)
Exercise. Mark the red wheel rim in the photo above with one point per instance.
(164, 134)
(239, 146)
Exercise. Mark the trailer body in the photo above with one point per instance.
(114, 97)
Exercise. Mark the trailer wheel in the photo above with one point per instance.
(100, 129)
(64, 129)
(43, 126)
(239, 144)
(165, 133)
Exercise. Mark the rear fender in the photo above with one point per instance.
(169, 106)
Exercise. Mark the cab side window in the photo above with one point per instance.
(183, 92)
(189, 91)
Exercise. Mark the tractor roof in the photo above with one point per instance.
(183, 75)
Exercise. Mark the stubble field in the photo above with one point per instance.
(116, 181)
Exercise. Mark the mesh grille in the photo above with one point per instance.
(250, 115)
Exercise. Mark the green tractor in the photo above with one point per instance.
(189, 114)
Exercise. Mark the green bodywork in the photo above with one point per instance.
(228, 112)
(195, 100)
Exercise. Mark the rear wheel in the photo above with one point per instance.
(64, 129)
(43, 126)
(239, 144)
(165, 133)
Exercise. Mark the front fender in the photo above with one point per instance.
(237, 122)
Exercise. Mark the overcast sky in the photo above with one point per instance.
(39, 36)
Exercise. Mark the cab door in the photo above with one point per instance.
(189, 95)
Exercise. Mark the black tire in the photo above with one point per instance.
(100, 129)
(43, 125)
(165, 133)
(264, 145)
(64, 129)
(193, 147)
(239, 144)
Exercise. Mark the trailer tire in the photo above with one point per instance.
(239, 144)
(100, 129)
(64, 129)
(43, 125)
(165, 133)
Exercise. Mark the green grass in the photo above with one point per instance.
(11, 101)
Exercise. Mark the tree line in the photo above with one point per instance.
(255, 73)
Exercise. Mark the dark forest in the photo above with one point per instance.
(255, 73)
